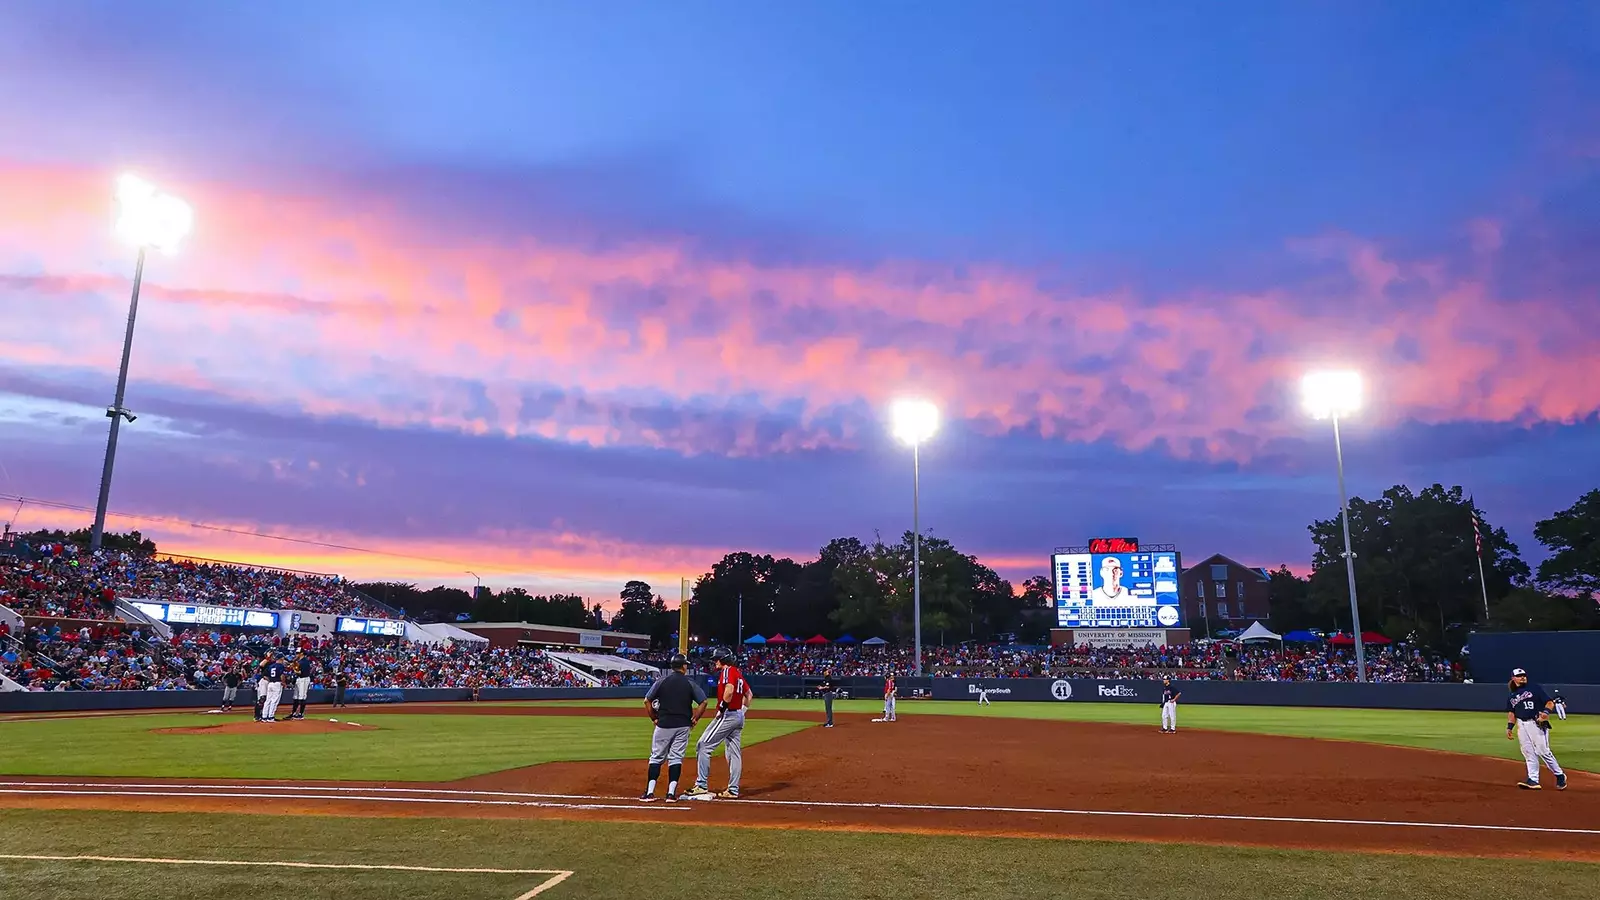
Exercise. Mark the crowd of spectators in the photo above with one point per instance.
(63, 581)
(1197, 661)
(126, 658)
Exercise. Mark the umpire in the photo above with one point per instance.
(828, 692)
(671, 703)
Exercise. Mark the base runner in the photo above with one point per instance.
(733, 698)
(1528, 723)
(671, 703)
(1169, 706)
(889, 695)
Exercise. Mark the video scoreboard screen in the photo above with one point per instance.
(1116, 590)
(386, 627)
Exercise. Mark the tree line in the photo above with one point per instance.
(1416, 568)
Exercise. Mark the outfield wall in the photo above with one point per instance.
(73, 701)
(1472, 697)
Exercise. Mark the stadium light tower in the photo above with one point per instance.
(147, 219)
(914, 422)
(1329, 395)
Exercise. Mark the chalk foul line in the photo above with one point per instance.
(553, 876)
(586, 801)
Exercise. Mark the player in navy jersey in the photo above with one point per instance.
(1527, 723)
(1169, 706)
(302, 685)
(272, 670)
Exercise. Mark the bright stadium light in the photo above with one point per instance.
(149, 220)
(914, 422)
(1331, 395)
(1334, 395)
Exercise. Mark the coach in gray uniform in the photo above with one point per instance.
(671, 703)
(828, 692)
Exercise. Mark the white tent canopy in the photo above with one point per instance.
(1257, 632)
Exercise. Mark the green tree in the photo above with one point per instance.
(1534, 609)
(758, 584)
(1416, 567)
(637, 613)
(1289, 599)
(1573, 538)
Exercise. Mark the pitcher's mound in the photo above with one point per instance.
(292, 726)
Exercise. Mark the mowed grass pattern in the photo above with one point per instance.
(667, 862)
(400, 747)
(1576, 741)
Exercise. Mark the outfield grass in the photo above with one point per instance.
(1576, 741)
(400, 748)
(664, 862)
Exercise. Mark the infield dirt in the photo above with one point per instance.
(990, 776)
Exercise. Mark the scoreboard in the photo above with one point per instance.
(1126, 589)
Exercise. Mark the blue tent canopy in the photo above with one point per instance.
(755, 639)
(845, 639)
(874, 641)
(1302, 637)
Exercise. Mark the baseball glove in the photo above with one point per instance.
(1544, 724)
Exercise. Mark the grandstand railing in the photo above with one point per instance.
(374, 602)
(13, 619)
(134, 615)
(565, 666)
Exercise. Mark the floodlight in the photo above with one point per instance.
(147, 218)
(1334, 394)
(915, 420)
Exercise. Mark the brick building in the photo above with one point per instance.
(1221, 593)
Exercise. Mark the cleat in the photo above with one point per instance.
(650, 798)
(1528, 785)
(672, 798)
(1561, 782)
(697, 791)
(728, 795)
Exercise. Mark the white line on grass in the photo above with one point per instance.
(360, 794)
(556, 875)
(244, 794)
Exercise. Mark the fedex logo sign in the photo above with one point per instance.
(1116, 690)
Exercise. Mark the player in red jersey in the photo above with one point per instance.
(733, 698)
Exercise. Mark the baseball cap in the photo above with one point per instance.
(1516, 672)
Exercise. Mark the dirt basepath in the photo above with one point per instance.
(979, 775)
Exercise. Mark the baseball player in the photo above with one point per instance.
(675, 703)
(1169, 706)
(230, 688)
(1561, 704)
(733, 698)
(828, 691)
(888, 698)
(261, 683)
(302, 685)
(983, 698)
(1528, 723)
(273, 672)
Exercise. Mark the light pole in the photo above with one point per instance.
(1329, 395)
(146, 218)
(914, 422)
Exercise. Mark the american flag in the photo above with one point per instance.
(1477, 536)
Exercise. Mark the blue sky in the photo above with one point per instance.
(578, 294)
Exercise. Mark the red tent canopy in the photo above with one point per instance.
(1372, 637)
(779, 639)
(816, 639)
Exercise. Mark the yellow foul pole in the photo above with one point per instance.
(683, 615)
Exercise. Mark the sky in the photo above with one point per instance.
(565, 296)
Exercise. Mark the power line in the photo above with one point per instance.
(224, 529)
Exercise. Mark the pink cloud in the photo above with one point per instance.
(351, 306)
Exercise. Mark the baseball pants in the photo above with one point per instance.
(983, 698)
(1535, 744)
(1561, 711)
(888, 709)
(669, 745)
(1169, 715)
(261, 695)
(827, 705)
(269, 709)
(229, 694)
(727, 728)
(301, 686)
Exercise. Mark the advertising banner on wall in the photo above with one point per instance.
(1119, 638)
(1047, 690)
